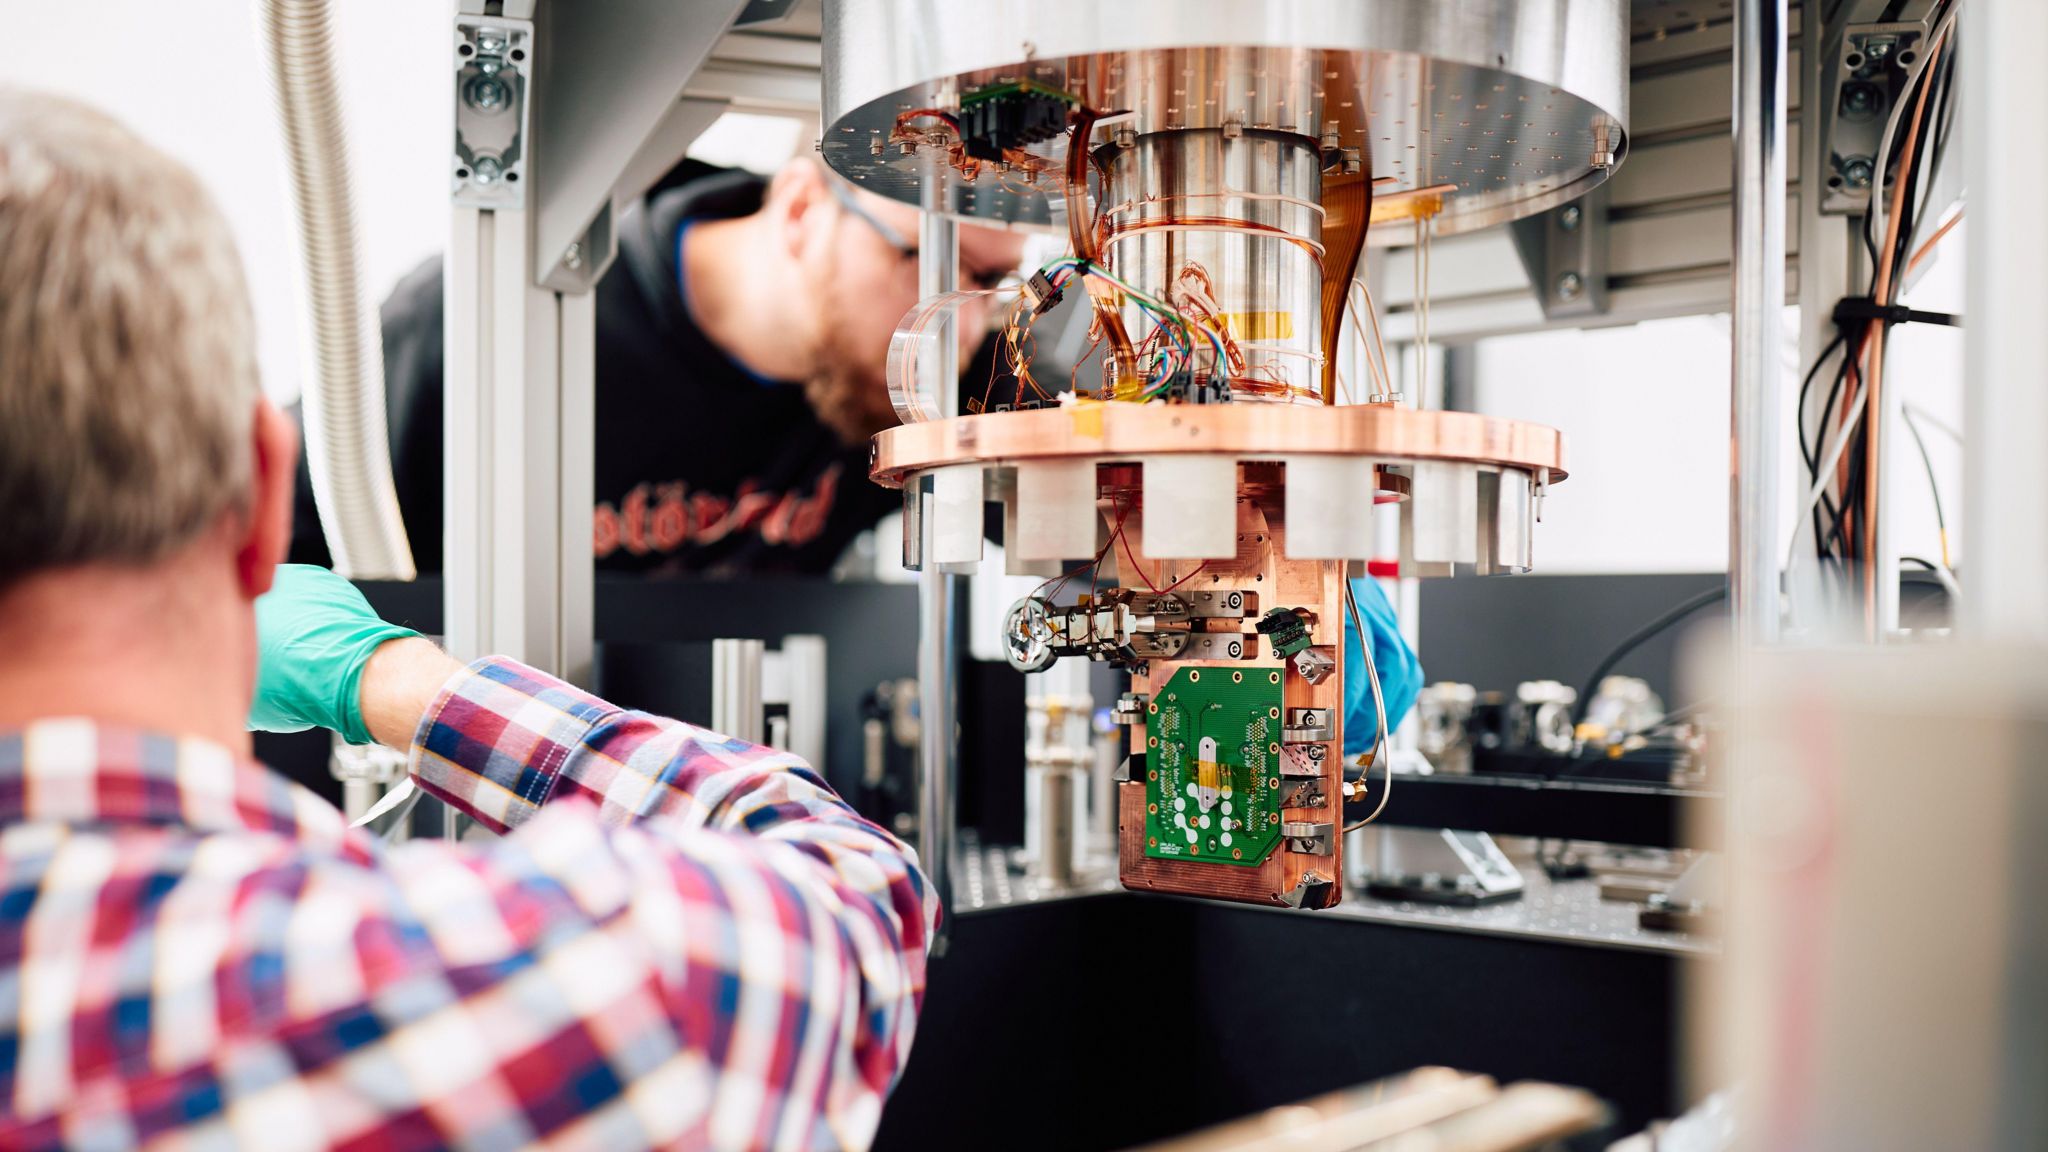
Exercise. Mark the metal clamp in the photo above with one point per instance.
(1314, 665)
(1129, 708)
(493, 58)
(1307, 726)
(1303, 794)
(1304, 761)
(1309, 838)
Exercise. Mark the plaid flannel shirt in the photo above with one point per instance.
(683, 941)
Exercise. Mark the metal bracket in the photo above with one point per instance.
(493, 60)
(1306, 726)
(1304, 761)
(1303, 794)
(1308, 890)
(1217, 646)
(1564, 252)
(1872, 65)
(1310, 838)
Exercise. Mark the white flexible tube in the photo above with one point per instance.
(348, 452)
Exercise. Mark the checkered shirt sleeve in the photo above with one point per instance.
(776, 937)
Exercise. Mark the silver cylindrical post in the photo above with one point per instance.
(736, 709)
(1226, 223)
(938, 640)
(1759, 305)
(803, 659)
(2005, 413)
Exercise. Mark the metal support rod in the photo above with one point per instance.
(2005, 417)
(736, 709)
(938, 639)
(1756, 424)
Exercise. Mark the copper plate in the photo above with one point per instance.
(1112, 431)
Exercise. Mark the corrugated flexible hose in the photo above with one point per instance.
(347, 448)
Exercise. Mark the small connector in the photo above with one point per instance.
(1290, 630)
(1044, 296)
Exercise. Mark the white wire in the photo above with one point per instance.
(1947, 576)
(1930, 420)
(1379, 705)
(1891, 127)
(1877, 202)
(1821, 474)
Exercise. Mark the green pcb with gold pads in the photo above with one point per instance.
(1212, 787)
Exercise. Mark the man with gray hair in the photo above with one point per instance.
(682, 940)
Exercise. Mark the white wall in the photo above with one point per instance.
(190, 77)
(1645, 412)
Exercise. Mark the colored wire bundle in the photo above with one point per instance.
(1841, 452)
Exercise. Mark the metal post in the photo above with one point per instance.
(1829, 268)
(2005, 413)
(938, 644)
(736, 709)
(1756, 425)
(803, 671)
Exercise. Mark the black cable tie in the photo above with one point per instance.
(1862, 310)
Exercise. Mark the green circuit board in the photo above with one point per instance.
(1212, 787)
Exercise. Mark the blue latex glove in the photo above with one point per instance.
(1400, 672)
(314, 634)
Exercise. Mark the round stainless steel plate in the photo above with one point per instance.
(1517, 104)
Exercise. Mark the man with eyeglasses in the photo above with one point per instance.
(741, 339)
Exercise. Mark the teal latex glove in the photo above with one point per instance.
(1400, 672)
(314, 634)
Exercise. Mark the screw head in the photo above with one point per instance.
(1857, 173)
(572, 258)
(487, 94)
(1859, 98)
(1568, 219)
(487, 170)
(1570, 286)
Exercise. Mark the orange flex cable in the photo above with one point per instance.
(1347, 213)
(1081, 234)
(1875, 342)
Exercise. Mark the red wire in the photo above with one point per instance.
(1132, 557)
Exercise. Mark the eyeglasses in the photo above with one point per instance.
(972, 277)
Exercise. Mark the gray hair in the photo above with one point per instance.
(128, 378)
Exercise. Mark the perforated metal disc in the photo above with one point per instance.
(1518, 104)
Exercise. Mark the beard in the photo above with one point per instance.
(850, 397)
(847, 388)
